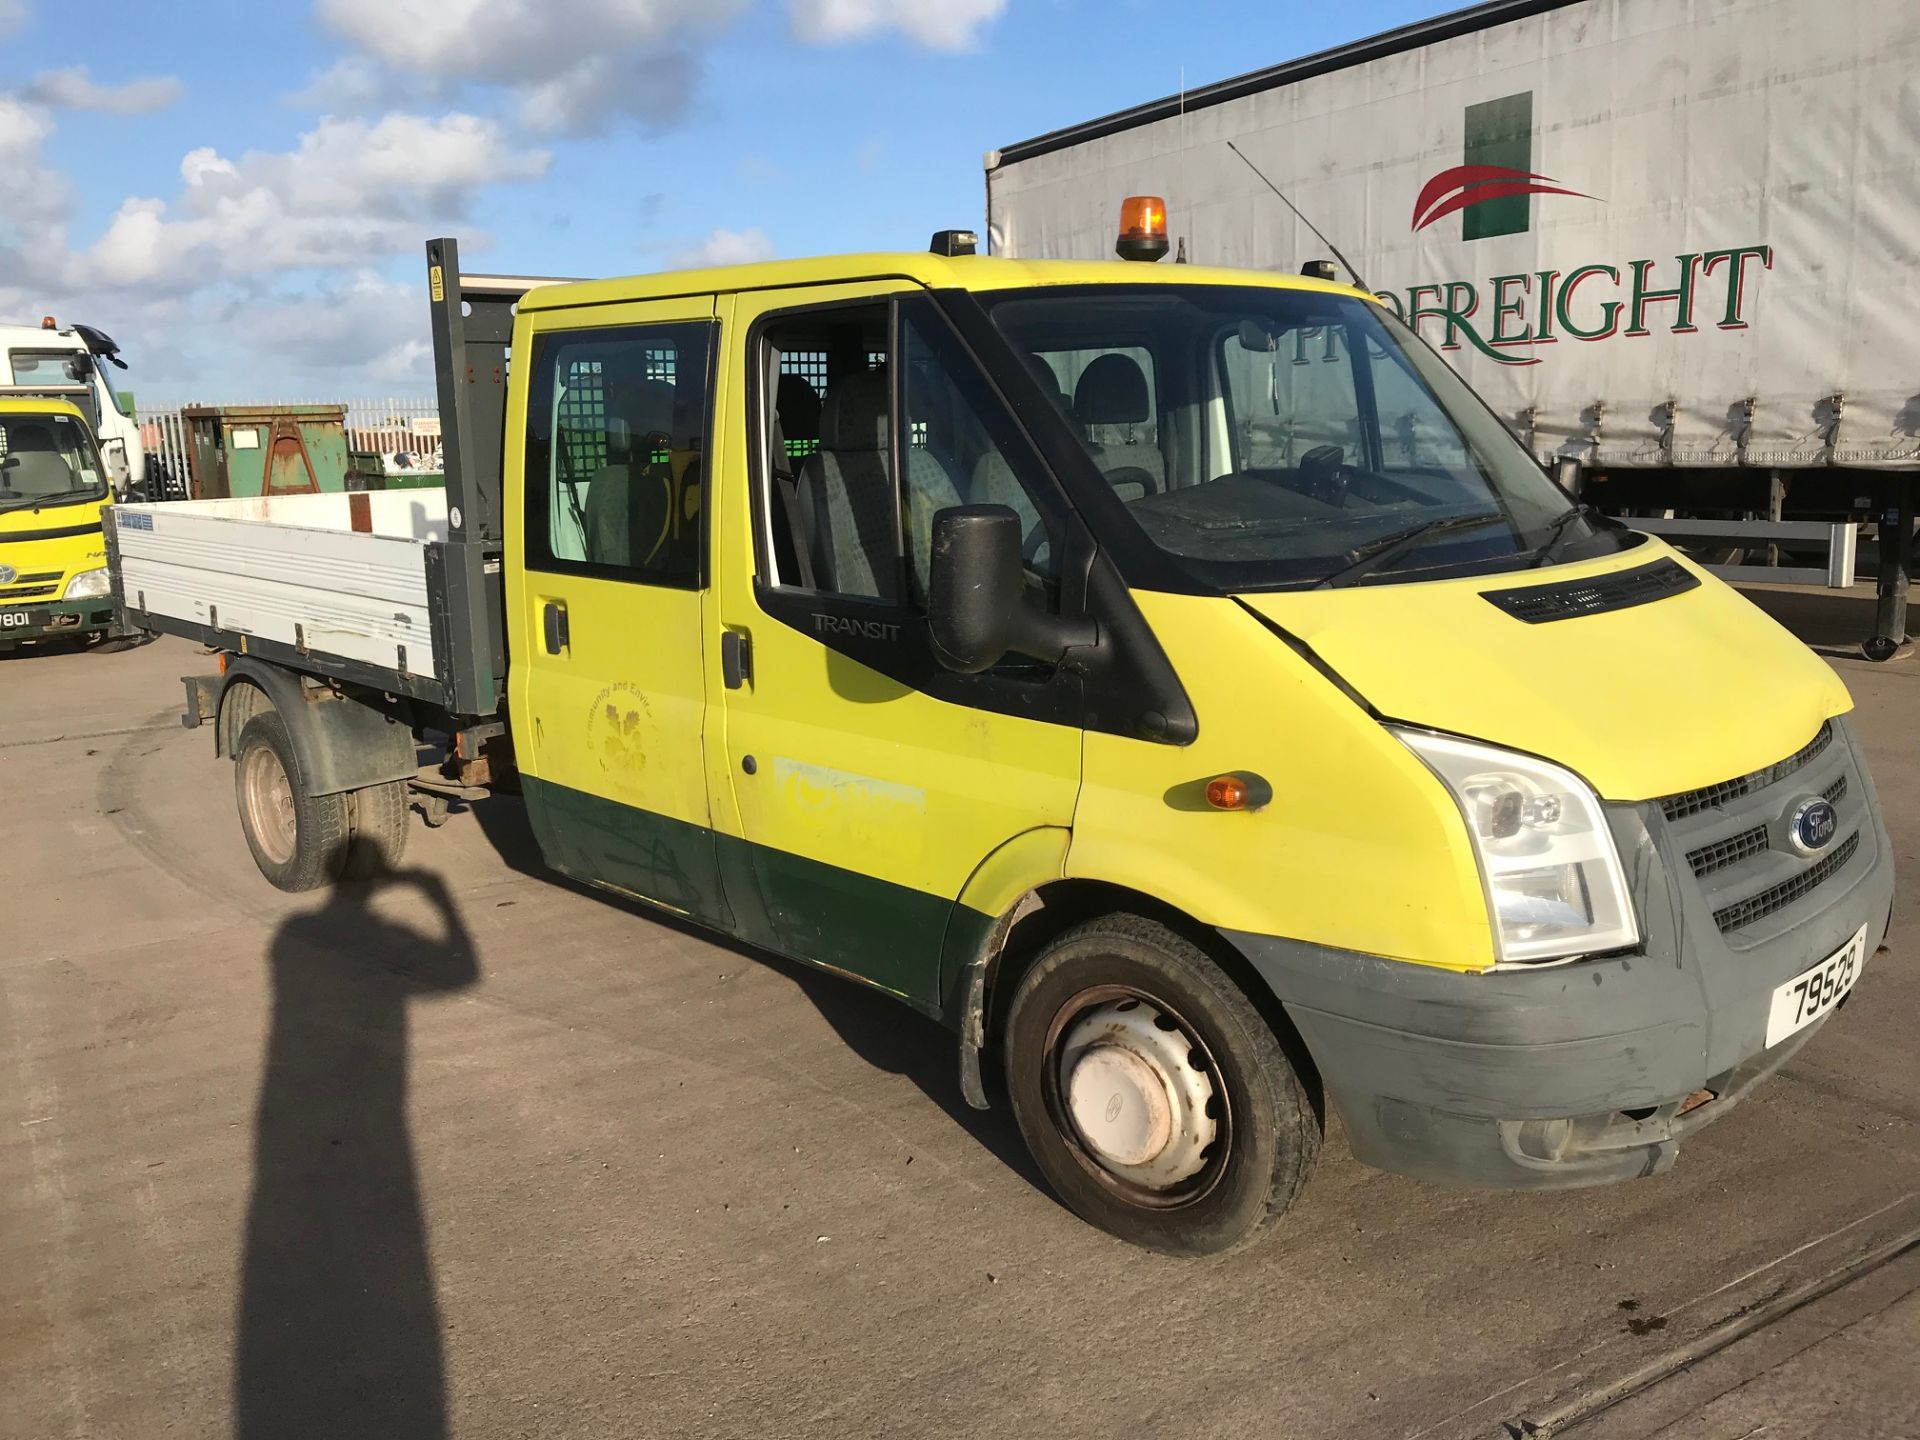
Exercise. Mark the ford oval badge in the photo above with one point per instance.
(1812, 825)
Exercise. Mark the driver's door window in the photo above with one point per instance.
(959, 451)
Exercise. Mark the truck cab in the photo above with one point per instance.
(70, 362)
(54, 487)
(1175, 681)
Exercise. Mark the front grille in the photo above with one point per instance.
(1731, 851)
(1708, 797)
(1748, 843)
(26, 592)
(1778, 897)
(1570, 599)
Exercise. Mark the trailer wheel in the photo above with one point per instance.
(298, 840)
(377, 820)
(1155, 1098)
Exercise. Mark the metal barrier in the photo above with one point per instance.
(1839, 540)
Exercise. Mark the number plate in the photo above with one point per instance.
(20, 619)
(1811, 994)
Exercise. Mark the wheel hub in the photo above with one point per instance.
(269, 796)
(1137, 1094)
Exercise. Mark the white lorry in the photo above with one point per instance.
(1671, 244)
(67, 362)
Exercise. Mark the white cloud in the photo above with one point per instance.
(353, 85)
(652, 87)
(33, 197)
(724, 247)
(353, 191)
(571, 65)
(364, 323)
(258, 273)
(73, 89)
(936, 24)
(13, 14)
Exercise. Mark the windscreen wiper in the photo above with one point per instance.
(40, 502)
(1365, 559)
(1557, 531)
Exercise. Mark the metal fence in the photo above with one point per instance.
(386, 427)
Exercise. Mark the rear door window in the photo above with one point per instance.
(618, 421)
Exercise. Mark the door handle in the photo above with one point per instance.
(736, 658)
(554, 618)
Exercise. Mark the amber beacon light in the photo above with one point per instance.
(1143, 228)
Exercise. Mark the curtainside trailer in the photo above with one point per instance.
(1672, 244)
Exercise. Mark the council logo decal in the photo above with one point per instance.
(1491, 188)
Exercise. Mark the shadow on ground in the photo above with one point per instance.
(880, 1030)
(339, 1327)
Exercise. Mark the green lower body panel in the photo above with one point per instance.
(644, 854)
(892, 936)
(57, 619)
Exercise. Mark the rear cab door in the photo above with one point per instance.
(608, 683)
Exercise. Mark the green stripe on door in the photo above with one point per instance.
(891, 935)
(1499, 132)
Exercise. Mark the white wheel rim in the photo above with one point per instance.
(269, 796)
(1136, 1096)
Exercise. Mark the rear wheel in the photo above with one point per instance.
(377, 822)
(1155, 1098)
(298, 840)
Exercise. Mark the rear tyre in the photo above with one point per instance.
(377, 823)
(298, 840)
(1155, 1098)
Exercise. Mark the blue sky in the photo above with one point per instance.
(238, 189)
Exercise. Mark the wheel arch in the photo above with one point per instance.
(1045, 911)
(340, 743)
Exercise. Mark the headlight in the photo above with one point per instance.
(1554, 880)
(89, 585)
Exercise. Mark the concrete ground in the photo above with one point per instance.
(486, 1155)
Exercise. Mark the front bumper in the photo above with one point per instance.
(55, 619)
(1590, 1072)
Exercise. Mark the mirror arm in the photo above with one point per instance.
(1049, 638)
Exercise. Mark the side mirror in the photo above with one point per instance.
(977, 610)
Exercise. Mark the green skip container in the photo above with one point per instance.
(242, 450)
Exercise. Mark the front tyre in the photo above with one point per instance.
(1155, 1098)
(299, 841)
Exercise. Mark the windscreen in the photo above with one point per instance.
(46, 459)
(1268, 437)
(48, 367)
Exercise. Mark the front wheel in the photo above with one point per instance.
(1155, 1098)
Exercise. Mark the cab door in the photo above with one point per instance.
(858, 785)
(608, 678)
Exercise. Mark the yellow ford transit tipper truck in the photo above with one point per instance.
(53, 559)
(1172, 680)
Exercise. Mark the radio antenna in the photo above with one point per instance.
(1303, 219)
